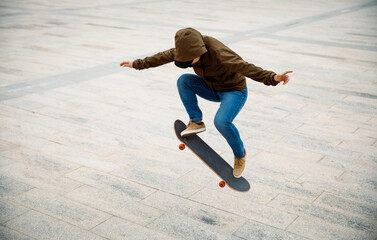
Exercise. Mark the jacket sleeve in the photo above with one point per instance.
(156, 60)
(235, 63)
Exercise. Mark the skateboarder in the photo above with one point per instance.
(220, 77)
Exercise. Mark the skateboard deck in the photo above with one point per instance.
(213, 160)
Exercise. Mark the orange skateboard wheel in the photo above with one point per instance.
(222, 184)
(182, 146)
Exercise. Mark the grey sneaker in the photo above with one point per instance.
(239, 166)
(193, 128)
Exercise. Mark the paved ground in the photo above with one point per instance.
(87, 149)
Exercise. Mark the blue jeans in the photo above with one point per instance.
(190, 85)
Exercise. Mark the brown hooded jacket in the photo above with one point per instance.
(221, 68)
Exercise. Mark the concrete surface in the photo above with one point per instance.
(88, 151)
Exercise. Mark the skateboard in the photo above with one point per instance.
(213, 160)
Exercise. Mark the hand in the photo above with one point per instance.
(283, 77)
(126, 64)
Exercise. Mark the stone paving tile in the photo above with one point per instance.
(254, 230)
(10, 124)
(333, 116)
(20, 103)
(314, 228)
(158, 181)
(259, 119)
(38, 159)
(121, 128)
(11, 187)
(331, 131)
(5, 145)
(163, 162)
(342, 204)
(94, 111)
(41, 226)
(61, 208)
(300, 190)
(27, 177)
(371, 160)
(4, 161)
(365, 149)
(110, 183)
(9, 210)
(299, 207)
(284, 149)
(117, 228)
(162, 156)
(182, 228)
(349, 165)
(315, 145)
(6, 233)
(84, 158)
(116, 204)
(61, 115)
(247, 209)
(53, 122)
(364, 181)
(201, 213)
(294, 167)
(262, 134)
(348, 115)
(93, 145)
(41, 100)
(351, 190)
(20, 139)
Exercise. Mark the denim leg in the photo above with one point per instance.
(190, 85)
(231, 105)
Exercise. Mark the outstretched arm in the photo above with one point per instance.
(235, 63)
(151, 61)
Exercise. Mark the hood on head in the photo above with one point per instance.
(189, 45)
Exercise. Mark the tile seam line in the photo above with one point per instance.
(129, 4)
(295, 23)
(321, 42)
(246, 35)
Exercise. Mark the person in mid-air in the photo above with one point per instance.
(220, 77)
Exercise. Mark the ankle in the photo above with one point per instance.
(198, 121)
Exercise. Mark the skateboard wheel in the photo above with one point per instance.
(222, 184)
(182, 146)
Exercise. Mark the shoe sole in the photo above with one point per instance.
(192, 132)
(237, 176)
